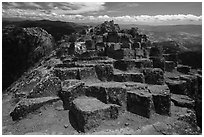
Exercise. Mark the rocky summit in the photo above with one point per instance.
(104, 81)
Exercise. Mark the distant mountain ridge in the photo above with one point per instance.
(55, 28)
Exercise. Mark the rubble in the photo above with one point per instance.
(25, 106)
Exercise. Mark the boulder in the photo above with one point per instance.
(111, 93)
(169, 66)
(158, 62)
(153, 76)
(46, 87)
(182, 101)
(25, 106)
(104, 72)
(90, 112)
(177, 86)
(183, 69)
(161, 99)
(67, 73)
(71, 89)
(139, 101)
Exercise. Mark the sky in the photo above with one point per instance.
(141, 13)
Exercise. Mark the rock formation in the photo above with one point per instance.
(116, 80)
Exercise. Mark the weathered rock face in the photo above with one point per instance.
(22, 47)
(153, 76)
(90, 112)
(26, 106)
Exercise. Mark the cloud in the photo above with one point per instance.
(75, 12)
(58, 8)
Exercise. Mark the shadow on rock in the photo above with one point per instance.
(72, 120)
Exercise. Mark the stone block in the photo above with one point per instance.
(90, 112)
(125, 64)
(171, 57)
(124, 77)
(121, 77)
(156, 51)
(67, 73)
(182, 101)
(161, 98)
(158, 62)
(143, 63)
(139, 53)
(177, 86)
(183, 69)
(71, 89)
(140, 102)
(153, 76)
(137, 77)
(191, 84)
(87, 73)
(104, 72)
(169, 66)
(110, 93)
(122, 54)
